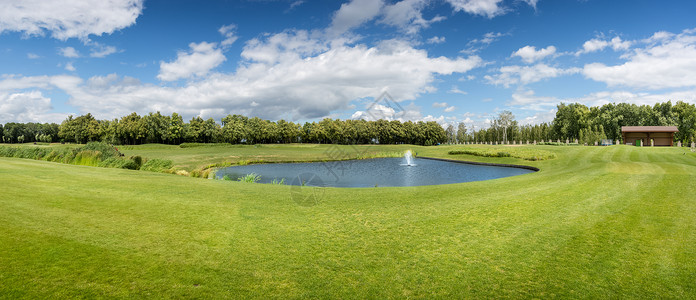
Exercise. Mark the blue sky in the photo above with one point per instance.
(444, 60)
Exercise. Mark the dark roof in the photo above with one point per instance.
(649, 129)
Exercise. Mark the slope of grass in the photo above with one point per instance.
(609, 222)
(196, 156)
(526, 153)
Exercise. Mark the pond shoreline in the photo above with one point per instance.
(535, 169)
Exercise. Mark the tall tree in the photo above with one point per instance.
(461, 132)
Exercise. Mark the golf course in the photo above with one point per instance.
(594, 222)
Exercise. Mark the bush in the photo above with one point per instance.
(157, 165)
(250, 178)
(138, 160)
(104, 149)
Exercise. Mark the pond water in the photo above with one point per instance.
(372, 172)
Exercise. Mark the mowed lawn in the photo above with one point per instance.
(595, 222)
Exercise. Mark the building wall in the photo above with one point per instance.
(660, 138)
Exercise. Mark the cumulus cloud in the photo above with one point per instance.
(513, 75)
(69, 52)
(530, 54)
(669, 61)
(456, 90)
(436, 40)
(354, 14)
(69, 66)
(198, 62)
(598, 44)
(407, 16)
(298, 80)
(439, 104)
(450, 109)
(68, 19)
(230, 34)
(487, 8)
(100, 51)
(30, 106)
(528, 100)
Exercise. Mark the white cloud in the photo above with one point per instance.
(230, 33)
(512, 75)
(29, 106)
(436, 40)
(530, 54)
(284, 46)
(100, 51)
(354, 14)
(531, 3)
(33, 56)
(477, 45)
(456, 90)
(198, 62)
(668, 62)
(598, 44)
(68, 19)
(487, 8)
(407, 16)
(528, 100)
(296, 3)
(103, 52)
(69, 52)
(297, 81)
(439, 104)
(450, 109)
(69, 66)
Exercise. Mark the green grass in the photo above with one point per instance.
(196, 156)
(595, 222)
(526, 153)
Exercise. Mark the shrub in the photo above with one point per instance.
(250, 178)
(138, 160)
(104, 149)
(87, 158)
(157, 165)
(119, 163)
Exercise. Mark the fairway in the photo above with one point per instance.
(595, 222)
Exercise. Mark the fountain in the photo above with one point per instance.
(409, 159)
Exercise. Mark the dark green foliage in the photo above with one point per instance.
(572, 121)
(138, 160)
(105, 149)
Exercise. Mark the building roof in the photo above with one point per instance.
(649, 129)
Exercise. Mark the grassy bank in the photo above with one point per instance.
(595, 222)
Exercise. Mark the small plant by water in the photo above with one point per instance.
(250, 178)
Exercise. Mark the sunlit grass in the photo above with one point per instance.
(595, 222)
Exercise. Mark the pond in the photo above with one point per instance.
(380, 172)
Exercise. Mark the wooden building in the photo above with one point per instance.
(661, 135)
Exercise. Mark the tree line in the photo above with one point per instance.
(134, 129)
(572, 121)
(586, 124)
